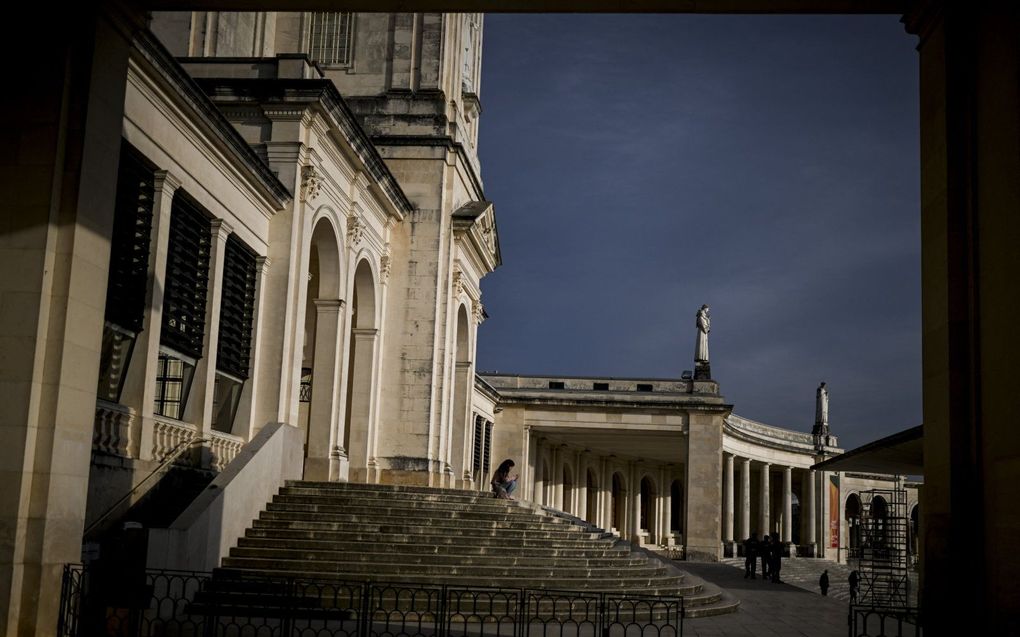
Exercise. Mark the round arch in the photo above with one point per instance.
(852, 511)
(318, 382)
(460, 412)
(363, 336)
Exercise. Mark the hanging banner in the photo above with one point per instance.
(834, 511)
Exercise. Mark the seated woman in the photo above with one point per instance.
(503, 484)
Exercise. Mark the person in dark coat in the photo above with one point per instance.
(855, 582)
(751, 556)
(777, 558)
(765, 551)
(823, 582)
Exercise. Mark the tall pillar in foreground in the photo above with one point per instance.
(763, 508)
(787, 504)
(745, 498)
(728, 526)
(811, 513)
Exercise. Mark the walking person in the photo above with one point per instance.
(503, 483)
(751, 556)
(855, 582)
(823, 582)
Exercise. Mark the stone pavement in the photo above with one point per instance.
(767, 609)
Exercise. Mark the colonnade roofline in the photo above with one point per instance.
(759, 433)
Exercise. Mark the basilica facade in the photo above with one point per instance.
(294, 267)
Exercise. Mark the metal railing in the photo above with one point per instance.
(192, 604)
(866, 620)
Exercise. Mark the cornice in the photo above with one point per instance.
(160, 60)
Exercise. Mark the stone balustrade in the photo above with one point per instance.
(225, 448)
(112, 431)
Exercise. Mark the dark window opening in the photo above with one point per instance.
(600, 386)
(487, 450)
(305, 390)
(226, 398)
(476, 462)
(187, 277)
(556, 384)
(237, 309)
(644, 387)
(129, 268)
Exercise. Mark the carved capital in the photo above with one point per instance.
(355, 230)
(311, 183)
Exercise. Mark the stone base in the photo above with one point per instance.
(702, 370)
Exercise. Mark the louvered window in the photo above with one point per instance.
(237, 309)
(486, 451)
(330, 38)
(476, 464)
(187, 277)
(129, 265)
(129, 248)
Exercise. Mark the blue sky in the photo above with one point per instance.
(642, 165)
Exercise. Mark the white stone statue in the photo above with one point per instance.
(822, 406)
(703, 324)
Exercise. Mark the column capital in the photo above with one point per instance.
(364, 332)
(220, 229)
(324, 306)
(165, 182)
(263, 263)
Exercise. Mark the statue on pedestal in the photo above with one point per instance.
(702, 370)
(822, 406)
(821, 433)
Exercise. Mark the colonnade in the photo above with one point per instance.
(638, 500)
(757, 500)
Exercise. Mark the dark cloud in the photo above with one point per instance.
(766, 165)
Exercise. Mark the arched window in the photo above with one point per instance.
(852, 514)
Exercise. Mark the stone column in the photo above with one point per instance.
(247, 425)
(763, 514)
(605, 495)
(745, 498)
(140, 385)
(557, 477)
(787, 504)
(199, 407)
(812, 530)
(668, 505)
(728, 490)
(581, 510)
(540, 476)
(321, 463)
(635, 504)
(360, 400)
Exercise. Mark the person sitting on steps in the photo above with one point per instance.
(504, 484)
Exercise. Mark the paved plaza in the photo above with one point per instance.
(774, 610)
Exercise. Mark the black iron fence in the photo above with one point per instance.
(884, 621)
(187, 604)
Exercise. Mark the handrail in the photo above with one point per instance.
(171, 456)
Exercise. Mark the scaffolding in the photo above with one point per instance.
(883, 557)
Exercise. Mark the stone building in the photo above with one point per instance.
(217, 249)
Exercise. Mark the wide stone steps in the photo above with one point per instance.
(408, 536)
(267, 530)
(456, 550)
(500, 559)
(278, 521)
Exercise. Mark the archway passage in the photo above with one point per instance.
(460, 415)
(568, 490)
(852, 514)
(795, 519)
(357, 434)
(676, 507)
(319, 381)
(591, 504)
(617, 502)
(647, 522)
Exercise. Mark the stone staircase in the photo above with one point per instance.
(419, 535)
